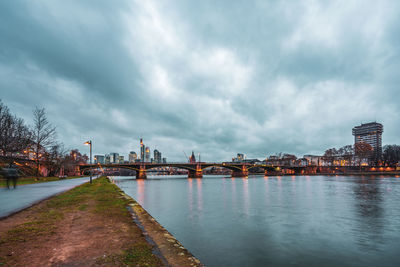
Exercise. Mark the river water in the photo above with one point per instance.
(277, 221)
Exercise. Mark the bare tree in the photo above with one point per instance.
(391, 154)
(330, 155)
(14, 134)
(347, 153)
(54, 158)
(363, 151)
(5, 123)
(72, 160)
(43, 134)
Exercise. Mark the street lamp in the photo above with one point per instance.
(90, 144)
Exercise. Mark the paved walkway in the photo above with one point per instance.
(13, 200)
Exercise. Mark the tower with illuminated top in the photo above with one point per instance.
(142, 150)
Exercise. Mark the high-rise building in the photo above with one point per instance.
(239, 158)
(157, 156)
(114, 158)
(164, 160)
(370, 133)
(107, 159)
(121, 159)
(98, 159)
(142, 148)
(132, 157)
(147, 154)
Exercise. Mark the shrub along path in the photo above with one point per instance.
(86, 226)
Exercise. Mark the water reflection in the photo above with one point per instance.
(190, 197)
(140, 190)
(369, 209)
(246, 196)
(279, 221)
(199, 196)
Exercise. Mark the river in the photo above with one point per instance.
(277, 221)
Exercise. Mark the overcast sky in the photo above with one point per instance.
(216, 77)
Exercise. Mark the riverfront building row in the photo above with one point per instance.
(367, 137)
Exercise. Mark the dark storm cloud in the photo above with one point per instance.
(222, 77)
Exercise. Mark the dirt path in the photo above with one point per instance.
(87, 226)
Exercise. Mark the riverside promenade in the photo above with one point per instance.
(14, 200)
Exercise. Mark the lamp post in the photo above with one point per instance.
(90, 144)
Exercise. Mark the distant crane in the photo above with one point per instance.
(185, 155)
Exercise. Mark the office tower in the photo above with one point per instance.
(98, 159)
(132, 157)
(142, 148)
(121, 159)
(114, 158)
(370, 133)
(147, 154)
(107, 159)
(157, 156)
(239, 158)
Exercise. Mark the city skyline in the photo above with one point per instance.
(292, 78)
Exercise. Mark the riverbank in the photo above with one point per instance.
(34, 180)
(86, 226)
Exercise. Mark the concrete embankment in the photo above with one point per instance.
(166, 244)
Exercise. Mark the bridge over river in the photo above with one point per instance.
(195, 170)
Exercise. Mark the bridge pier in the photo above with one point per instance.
(141, 173)
(195, 174)
(198, 173)
(240, 173)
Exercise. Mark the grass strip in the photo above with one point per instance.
(100, 201)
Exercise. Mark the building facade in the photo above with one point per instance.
(370, 133)
(107, 159)
(147, 154)
(157, 156)
(99, 159)
(114, 158)
(132, 157)
(192, 158)
(142, 148)
(239, 158)
(314, 160)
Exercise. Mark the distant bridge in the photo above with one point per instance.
(195, 170)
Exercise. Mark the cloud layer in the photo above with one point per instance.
(256, 77)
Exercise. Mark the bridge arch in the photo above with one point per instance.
(149, 167)
(232, 168)
(87, 168)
